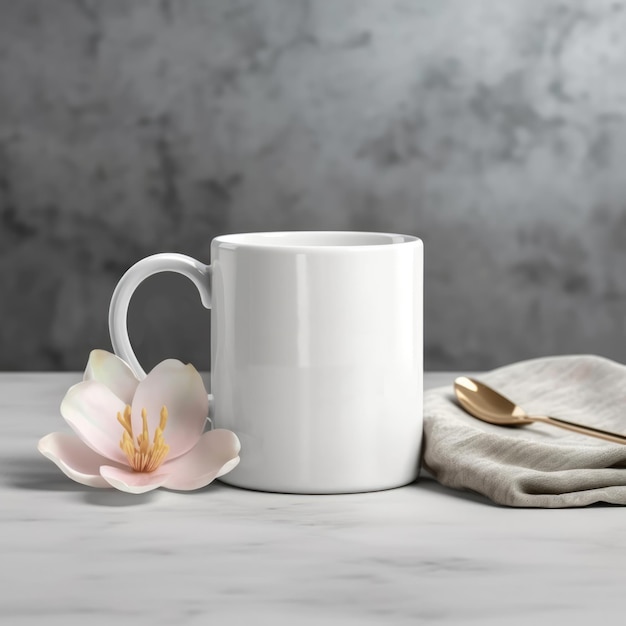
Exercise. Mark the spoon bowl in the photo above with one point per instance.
(487, 404)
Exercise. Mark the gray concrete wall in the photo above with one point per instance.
(494, 130)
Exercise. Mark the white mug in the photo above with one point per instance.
(316, 354)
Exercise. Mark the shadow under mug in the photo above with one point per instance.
(316, 354)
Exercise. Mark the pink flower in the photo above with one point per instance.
(137, 436)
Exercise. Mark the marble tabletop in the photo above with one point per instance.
(420, 554)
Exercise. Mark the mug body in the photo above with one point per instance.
(316, 358)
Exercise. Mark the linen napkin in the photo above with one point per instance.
(536, 465)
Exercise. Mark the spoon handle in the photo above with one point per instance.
(579, 428)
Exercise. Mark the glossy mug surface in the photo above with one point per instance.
(316, 354)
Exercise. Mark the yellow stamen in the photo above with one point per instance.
(164, 416)
(143, 456)
(125, 421)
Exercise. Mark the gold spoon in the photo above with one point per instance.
(488, 405)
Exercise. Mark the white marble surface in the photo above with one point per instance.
(421, 554)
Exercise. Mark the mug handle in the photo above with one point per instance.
(198, 273)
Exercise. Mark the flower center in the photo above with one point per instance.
(143, 456)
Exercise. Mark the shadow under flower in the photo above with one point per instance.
(37, 474)
(115, 498)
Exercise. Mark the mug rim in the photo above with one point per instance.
(256, 240)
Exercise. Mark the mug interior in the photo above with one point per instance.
(315, 239)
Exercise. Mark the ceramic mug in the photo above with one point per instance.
(316, 354)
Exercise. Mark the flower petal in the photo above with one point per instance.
(112, 372)
(132, 482)
(74, 458)
(91, 410)
(180, 388)
(216, 454)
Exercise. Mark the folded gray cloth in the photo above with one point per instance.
(537, 465)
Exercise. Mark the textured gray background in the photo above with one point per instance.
(494, 130)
